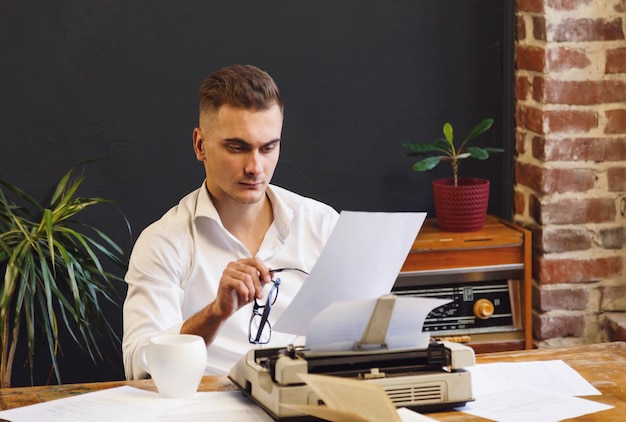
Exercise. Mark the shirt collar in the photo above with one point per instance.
(283, 214)
(205, 207)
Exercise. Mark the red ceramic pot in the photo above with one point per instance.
(461, 208)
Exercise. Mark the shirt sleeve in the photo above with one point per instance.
(154, 298)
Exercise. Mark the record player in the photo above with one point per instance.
(425, 379)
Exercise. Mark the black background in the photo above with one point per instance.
(117, 80)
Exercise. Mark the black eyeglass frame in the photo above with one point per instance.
(267, 307)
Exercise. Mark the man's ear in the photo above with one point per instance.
(198, 144)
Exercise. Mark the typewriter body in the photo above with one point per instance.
(428, 379)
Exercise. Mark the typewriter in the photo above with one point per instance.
(424, 379)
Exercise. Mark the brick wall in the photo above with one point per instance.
(570, 166)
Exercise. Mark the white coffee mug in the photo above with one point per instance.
(176, 363)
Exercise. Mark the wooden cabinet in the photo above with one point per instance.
(487, 276)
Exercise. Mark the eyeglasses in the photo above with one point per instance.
(260, 330)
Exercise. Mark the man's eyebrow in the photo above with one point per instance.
(244, 143)
(272, 142)
(234, 140)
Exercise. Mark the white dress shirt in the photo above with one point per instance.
(177, 262)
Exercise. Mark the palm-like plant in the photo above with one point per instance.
(53, 274)
(443, 149)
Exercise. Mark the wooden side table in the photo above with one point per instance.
(487, 274)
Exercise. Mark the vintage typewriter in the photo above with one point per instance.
(425, 379)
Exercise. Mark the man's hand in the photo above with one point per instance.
(241, 282)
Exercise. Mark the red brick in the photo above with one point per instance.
(570, 121)
(519, 202)
(616, 179)
(556, 240)
(615, 326)
(616, 121)
(534, 208)
(557, 271)
(566, 4)
(569, 298)
(611, 238)
(562, 59)
(522, 88)
(520, 28)
(538, 147)
(615, 60)
(550, 180)
(528, 175)
(539, 28)
(529, 118)
(580, 92)
(585, 29)
(546, 326)
(578, 211)
(556, 180)
(538, 88)
(613, 298)
(579, 149)
(520, 140)
(530, 58)
(530, 5)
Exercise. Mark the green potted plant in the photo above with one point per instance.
(460, 203)
(53, 273)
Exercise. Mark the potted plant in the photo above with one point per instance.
(460, 203)
(53, 277)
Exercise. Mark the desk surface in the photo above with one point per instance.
(602, 365)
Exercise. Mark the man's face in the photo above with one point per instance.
(239, 149)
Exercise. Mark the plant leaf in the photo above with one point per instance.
(421, 147)
(20, 193)
(481, 153)
(47, 223)
(448, 132)
(426, 164)
(481, 127)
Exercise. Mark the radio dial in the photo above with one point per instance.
(483, 308)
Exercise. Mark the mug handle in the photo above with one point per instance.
(143, 356)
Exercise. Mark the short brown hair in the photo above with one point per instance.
(241, 86)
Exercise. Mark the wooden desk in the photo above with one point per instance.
(22, 396)
(603, 365)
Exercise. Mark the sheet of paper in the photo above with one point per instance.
(508, 402)
(338, 326)
(126, 404)
(408, 415)
(552, 375)
(361, 260)
(523, 391)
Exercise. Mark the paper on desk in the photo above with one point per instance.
(128, 404)
(338, 326)
(508, 402)
(361, 260)
(550, 376)
(523, 391)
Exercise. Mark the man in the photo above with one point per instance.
(200, 267)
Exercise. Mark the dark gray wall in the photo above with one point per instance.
(117, 80)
